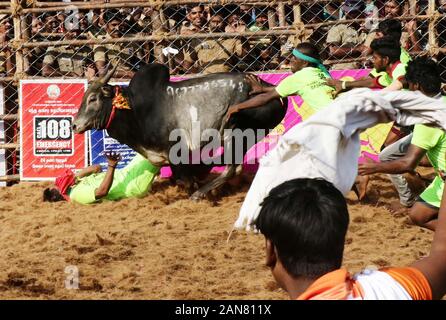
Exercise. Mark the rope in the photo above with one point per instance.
(15, 44)
(156, 5)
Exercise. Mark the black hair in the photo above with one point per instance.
(306, 220)
(310, 50)
(113, 14)
(426, 73)
(190, 7)
(387, 47)
(52, 195)
(391, 28)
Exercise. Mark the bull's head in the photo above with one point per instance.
(96, 105)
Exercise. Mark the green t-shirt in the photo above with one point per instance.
(134, 180)
(385, 79)
(433, 140)
(310, 84)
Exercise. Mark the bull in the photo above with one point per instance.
(158, 106)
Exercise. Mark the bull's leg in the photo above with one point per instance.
(227, 174)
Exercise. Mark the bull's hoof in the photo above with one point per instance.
(197, 196)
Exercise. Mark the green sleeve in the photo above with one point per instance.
(289, 86)
(425, 137)
(83, 193)
(399, 72)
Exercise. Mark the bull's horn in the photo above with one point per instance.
(105, 79)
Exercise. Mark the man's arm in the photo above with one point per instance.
(433, 266)
(104, 188)
(102, 70)
(254, 102)
(342, 51)
(96, 168)
(407, 163)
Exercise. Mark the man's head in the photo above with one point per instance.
(114, 23)
(5, 24)
(216, 23)
(52, 23)
(353, 9)
(386, 51)
(389, 28)
(307, 49)
(52, 195)
(423, 74)
(262, 20)
(394, 8)
(195, 15)
(304, 222)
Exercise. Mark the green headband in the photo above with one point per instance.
(304, 57)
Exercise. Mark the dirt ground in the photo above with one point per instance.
(168, 247)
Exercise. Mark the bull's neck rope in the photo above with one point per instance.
(118, 102)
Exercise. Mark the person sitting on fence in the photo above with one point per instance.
(304, 222)
(91, 185)
(131, 56)
(345, 41)
(422, 75)
(308, 81)
(215, 55)
(6, 57)
(68, 60)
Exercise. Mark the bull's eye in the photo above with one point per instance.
(92, 99)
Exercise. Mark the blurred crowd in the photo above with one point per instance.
(344, 42)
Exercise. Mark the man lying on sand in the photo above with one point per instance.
(305, 221)
(91, 185)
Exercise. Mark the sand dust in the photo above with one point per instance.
(168, 247)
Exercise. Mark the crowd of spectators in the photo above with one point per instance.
(241, 49)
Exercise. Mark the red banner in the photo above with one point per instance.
(48, 145)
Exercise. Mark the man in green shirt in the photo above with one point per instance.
(91, 185)
(308, 81)
(423, 75)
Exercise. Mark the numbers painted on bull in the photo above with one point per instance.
(53, 135)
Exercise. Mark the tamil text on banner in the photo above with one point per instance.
(48, 145)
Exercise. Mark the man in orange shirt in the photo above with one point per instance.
(305, 221)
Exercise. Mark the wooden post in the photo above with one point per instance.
(272, 19)
(281, 14)
(157, 27)
(413, 7)
(18, 31)
(297, 13)
(432, 25)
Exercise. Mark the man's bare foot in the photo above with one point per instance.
(398, 209)
(360, 187)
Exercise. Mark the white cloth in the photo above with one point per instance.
(378, 285)
(327, 144)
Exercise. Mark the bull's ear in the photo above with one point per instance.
(107, 91)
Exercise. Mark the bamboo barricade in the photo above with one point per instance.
(10, 178)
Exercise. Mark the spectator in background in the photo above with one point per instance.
(235, 24)
(194, 21)
(70, 61)
(215, 55)
(441, 32)
(332, 11)
(248, 14)
(130, 55)
(6, 63)
(35, 55)
(52, 24)
(344, 41)
(261, 23)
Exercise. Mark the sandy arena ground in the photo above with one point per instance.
(167, 247)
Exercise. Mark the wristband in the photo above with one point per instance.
(343, 85)
(114, 167)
